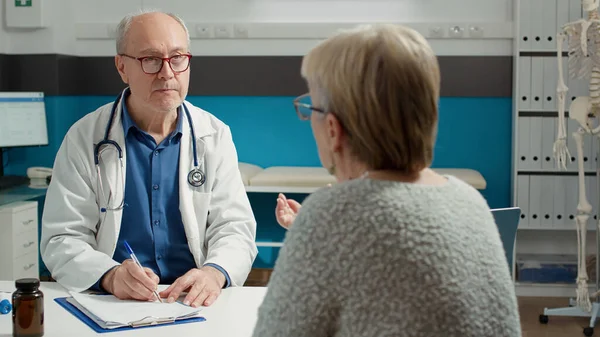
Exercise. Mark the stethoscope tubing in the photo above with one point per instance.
(195, 177)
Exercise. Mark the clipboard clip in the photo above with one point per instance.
(150, 320)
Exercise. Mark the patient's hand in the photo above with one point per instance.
(286, 211)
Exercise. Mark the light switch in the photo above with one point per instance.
(222, 31)
(455, 31)
(436, 32)
(476, 31)
(240, 31)
(203, 31)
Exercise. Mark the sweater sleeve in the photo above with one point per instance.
(300, 296)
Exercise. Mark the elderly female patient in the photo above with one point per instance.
(392, 249)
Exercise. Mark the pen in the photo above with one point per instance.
(134, 258)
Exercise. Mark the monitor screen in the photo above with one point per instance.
(22, 119)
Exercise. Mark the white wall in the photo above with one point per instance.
(274, 27)
(57, 37)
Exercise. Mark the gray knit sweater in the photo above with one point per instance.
(382, 258)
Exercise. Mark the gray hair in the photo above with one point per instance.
(125, 24)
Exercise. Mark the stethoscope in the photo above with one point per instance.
(195, 178)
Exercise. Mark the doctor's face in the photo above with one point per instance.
(152, 38)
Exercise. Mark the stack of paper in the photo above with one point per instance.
(109, 312)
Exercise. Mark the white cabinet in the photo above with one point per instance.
(19, 248)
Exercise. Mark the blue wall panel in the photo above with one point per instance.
(473, 133)
(476, 133)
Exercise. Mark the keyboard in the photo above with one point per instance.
(10, 181)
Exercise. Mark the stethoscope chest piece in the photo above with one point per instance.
(196, 178)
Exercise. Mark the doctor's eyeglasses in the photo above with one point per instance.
(153, 64)
(304, 107)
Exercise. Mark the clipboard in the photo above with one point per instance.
(141, 324)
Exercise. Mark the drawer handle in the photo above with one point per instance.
(28, 266)
(25, 245)
(25, 223)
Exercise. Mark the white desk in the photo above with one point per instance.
(232, 315)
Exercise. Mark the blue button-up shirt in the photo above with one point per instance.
(151, 221)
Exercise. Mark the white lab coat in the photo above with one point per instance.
(78, 241)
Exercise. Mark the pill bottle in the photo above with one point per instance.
(5, 303)
(28, 308)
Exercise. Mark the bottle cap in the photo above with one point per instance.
(5, 307)
(27, 284)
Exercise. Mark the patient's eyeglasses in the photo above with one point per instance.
(304, 107)
(153, 64)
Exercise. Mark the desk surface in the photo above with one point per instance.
(20, 193)
(233, 314)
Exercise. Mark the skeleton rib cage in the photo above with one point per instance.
(579, 65)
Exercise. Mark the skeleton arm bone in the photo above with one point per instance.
(561, 152)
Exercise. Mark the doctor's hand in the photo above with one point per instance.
(203, 286)
(286, 211)
(128, 281)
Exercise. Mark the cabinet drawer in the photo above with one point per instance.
(24, 243)
(25, 221)
(26, 266)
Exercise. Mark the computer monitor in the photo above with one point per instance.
(22, 121)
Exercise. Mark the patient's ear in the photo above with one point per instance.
(335, 132)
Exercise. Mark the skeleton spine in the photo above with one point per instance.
(595, 73)
(595, 87)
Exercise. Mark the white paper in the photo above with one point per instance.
(110, 309)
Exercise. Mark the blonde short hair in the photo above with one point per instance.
(382, 82)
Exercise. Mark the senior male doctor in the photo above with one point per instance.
(189, 224)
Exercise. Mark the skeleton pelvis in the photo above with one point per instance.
(579, 110)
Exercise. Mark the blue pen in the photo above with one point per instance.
(134, 258)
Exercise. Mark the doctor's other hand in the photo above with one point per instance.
(128, 281)
(286, 211)
(203, 286)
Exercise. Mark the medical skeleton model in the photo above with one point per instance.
(584, 61)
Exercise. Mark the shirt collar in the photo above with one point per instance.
(128, 123)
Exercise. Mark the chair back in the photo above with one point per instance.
(507, 220)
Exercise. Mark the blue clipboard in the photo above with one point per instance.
(62, 301)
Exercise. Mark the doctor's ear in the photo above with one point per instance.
(121, 67)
